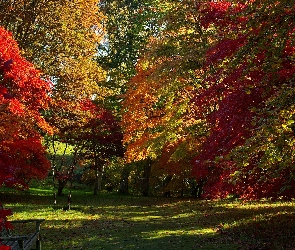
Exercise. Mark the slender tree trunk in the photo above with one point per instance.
(98, 177)
(146, 177)
(124, 187)
(95, 191)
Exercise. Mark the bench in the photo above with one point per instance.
(25, 234)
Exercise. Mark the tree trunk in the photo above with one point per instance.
(98, 177)
(124, 187)
(146, 177)
(164, 184)
(61, 186)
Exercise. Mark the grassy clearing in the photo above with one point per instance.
(111, 221)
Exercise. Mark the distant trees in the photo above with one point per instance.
(61, 43)
(94, 135)
(128, 26)
(64, 45)
(204, 91)
(97, 140)
(157, 119)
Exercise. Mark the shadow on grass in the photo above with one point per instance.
(118, 234)
(193, 232)
(110, 221)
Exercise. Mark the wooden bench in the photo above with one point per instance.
(25, 240)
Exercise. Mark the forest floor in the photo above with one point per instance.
(111, 221)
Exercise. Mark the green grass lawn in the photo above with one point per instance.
(111, 221)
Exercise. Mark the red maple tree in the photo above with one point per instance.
(23, 94)
(250, 65)
(98, 138)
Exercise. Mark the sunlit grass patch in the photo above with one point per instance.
(111, 221)
(192, 232)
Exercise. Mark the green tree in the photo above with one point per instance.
(61, 43)
(63, 158)
(128, 25)
(158, 119)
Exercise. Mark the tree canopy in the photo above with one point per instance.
(249, 148)
(61, 43)
(219, 78)
(203, 90)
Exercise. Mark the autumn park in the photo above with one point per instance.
(147, 124)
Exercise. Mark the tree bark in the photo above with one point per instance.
(98, 177)
(146, 177)
(124, 185)
(61, 186)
